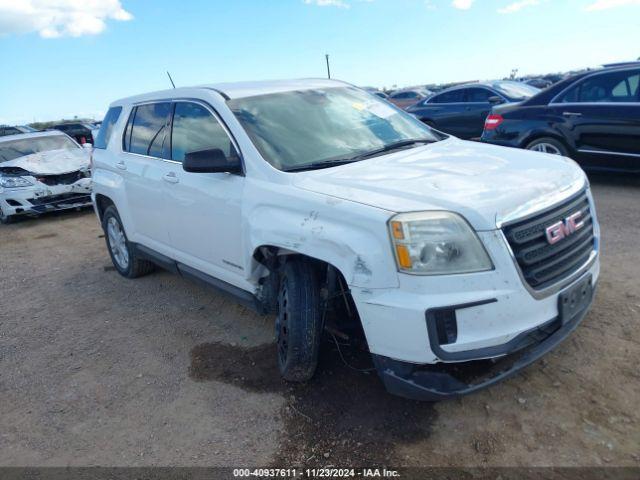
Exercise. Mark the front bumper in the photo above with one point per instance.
(435, 384)
(45, 198)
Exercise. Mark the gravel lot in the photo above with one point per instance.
(99, 370)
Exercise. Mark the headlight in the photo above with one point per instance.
(14, 182)
(436, 243)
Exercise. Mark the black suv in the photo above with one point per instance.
(461, 110)
(80, 132)
(593, 117)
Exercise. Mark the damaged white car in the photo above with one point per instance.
(338, 212)
(42, 172)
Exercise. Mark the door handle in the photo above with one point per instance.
(571, 114)
(121, 165)
(171, 178)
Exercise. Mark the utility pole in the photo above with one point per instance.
(328, 68)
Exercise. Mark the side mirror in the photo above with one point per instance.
(496, 100)
(211, 161)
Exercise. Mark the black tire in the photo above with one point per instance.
(539, 143)
(134, 266)
(5, 219)
(299, 321)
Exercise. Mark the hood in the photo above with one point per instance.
(52, 162)
(487, 184)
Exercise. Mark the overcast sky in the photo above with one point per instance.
(62, 58)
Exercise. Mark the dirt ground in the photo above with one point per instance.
(99, 370)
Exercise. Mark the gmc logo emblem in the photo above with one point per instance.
(562, 229)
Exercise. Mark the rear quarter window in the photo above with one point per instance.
(106, 129)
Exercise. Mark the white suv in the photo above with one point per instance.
(328, 206)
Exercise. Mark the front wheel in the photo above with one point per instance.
(548, 145)
(299, 321)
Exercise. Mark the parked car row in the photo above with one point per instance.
(81, 132)
(592, 116)
(15, 130)
(462, 110)
(406, 98)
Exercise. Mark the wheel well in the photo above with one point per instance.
(342, 312)
(538, 136)
(102, 202)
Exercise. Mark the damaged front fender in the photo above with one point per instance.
(356, 244)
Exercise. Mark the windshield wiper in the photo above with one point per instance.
(394, 146)
(319, 165)
(361, 156)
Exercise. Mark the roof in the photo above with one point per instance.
(633, 63)
(24, 136)
(241, 89)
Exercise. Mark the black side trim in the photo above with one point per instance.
(161, 260)
(241, 296)
(432, 328)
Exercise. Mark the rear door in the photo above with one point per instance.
(601, 116)
(446, 111)
(476, 110)
(145, 169)
(204, 208)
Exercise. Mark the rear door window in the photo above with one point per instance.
(478, 95)
(106, 129)
(615, 87)
(194, 129)
(148, 129)
(455, 96)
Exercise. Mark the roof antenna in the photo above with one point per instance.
(171, 80)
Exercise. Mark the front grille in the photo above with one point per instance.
(63, 179)
(543, 264)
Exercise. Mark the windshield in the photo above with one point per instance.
(516, 90)
(298, 128)
(27, 146)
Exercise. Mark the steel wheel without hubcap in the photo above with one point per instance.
(118, 243)
(546, 148)
(282, 324)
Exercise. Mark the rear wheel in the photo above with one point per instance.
(123, 256)
(299, 321)
(548, 145)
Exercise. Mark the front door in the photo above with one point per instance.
(602, 116)
(476, 111)
(205, 209)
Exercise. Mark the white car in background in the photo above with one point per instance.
(42, 172)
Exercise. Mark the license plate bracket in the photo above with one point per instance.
(574, 300)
